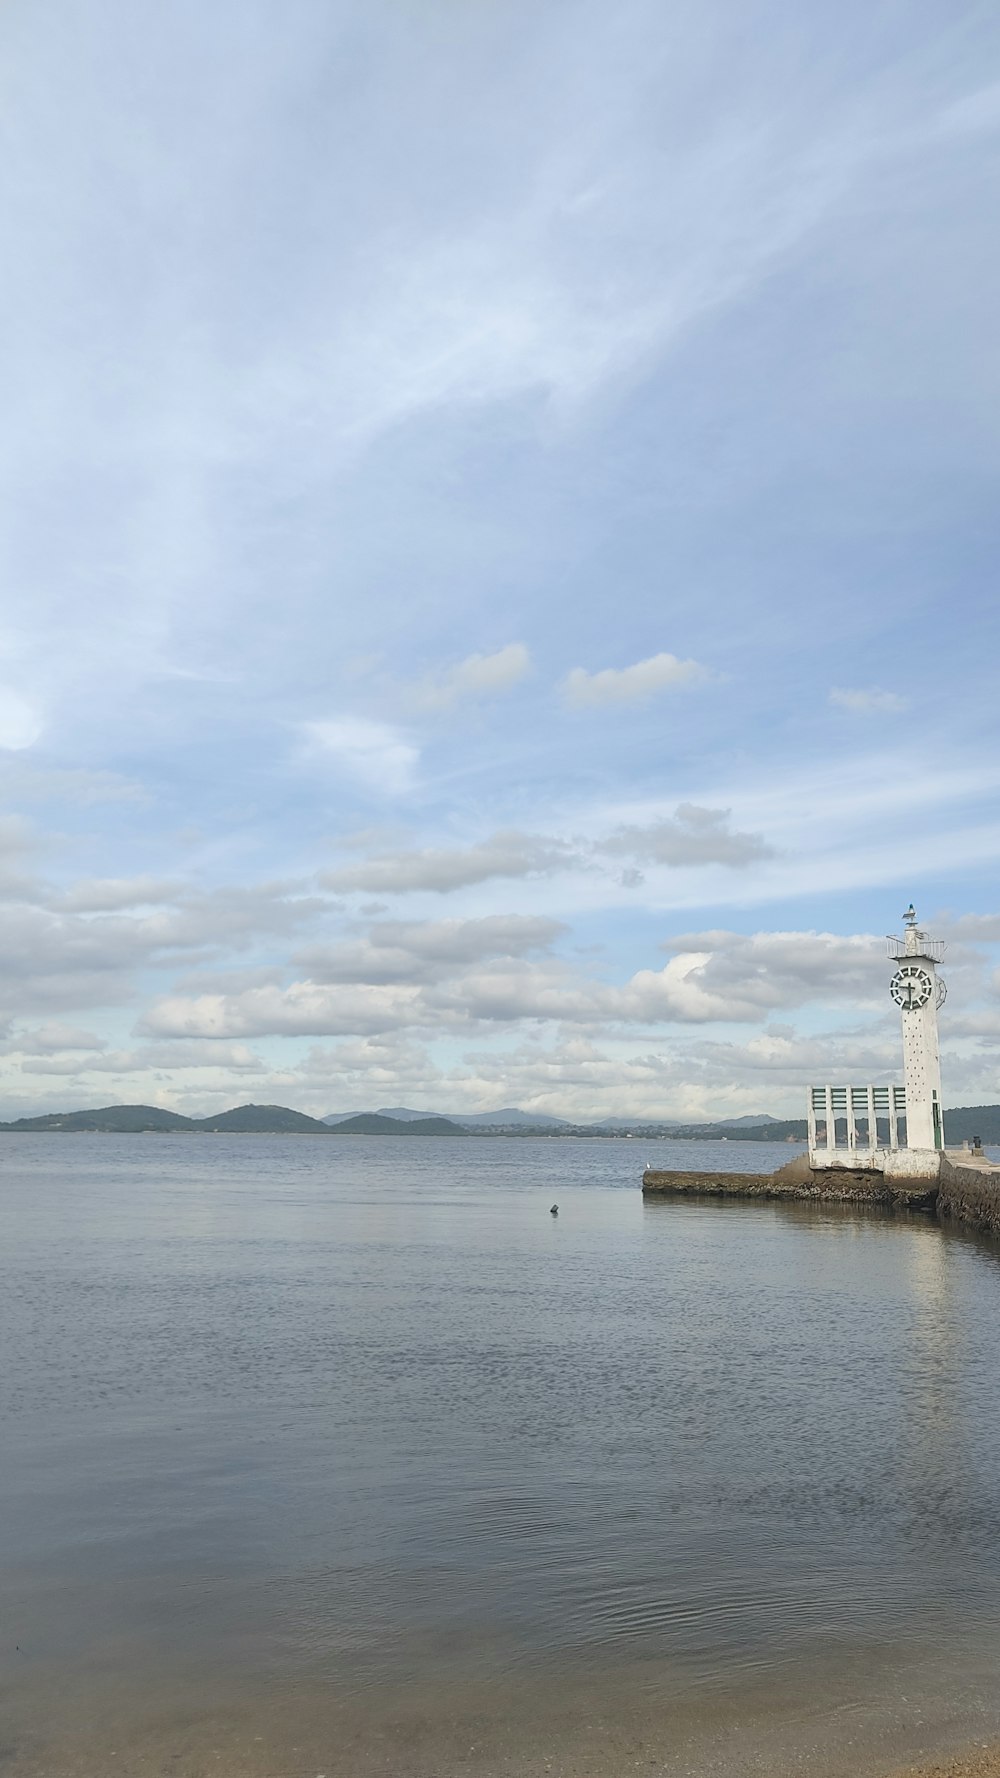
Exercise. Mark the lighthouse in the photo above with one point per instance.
(894, 1130)
(919, 992)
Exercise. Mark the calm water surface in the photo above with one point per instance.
(337, 1456)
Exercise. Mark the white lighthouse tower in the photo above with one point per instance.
(894, 1130)
(919, 991)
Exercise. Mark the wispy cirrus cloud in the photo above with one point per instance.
(376, 754)
(871, 700)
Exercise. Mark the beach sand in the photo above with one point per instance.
(980, 1762)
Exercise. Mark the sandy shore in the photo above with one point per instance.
(979, 1762)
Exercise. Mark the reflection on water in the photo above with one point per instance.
(349, 1446)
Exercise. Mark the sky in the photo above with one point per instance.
(498, 550)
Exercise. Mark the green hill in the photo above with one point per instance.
(794, 1127)
(962, 1124)
(129, 1119)
(967, 1122)
(271, 1120)
(370, 1123)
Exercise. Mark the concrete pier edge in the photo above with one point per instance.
(966, 1190)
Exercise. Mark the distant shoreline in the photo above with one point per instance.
(963, 1123)
(16, 1129)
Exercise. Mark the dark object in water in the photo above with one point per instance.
(554, 1210)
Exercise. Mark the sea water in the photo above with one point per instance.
(345, 1455)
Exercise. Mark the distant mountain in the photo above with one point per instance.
(962, 1124)
(374, 1123)
(511, 1117)
(739, 1123)
(630, 1123)
(675, 1123)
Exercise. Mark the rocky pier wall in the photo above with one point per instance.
(968, 1193)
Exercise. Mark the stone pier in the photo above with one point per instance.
(965, 1187)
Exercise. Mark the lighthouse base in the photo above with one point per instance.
(892, 1163)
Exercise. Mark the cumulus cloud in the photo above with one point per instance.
(459, 975)
(364, 1069)
(869, 701)
(692, 836)
(304, 1008)
(374, 753)
(720, 975)
(984, 928)
(505, 854)
(53, 958)
(478, 677)
(631, 685)
(398, 950)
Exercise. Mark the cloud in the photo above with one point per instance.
(52, 1038)
(693, 836)
(21, 723)
(449, 976)
(982, 927)
(112, 894)
(398, 950)
(374, 753)
(631, 685)
(53, 958)
(720, 975)
(368, 1068)
(120, 1062)
(302, 1009)
(24, 780)
(442, 869)
(17, 843)
(977, 112)
(155, 1058)
(872, 700)
(180, 1053)
(478, 677)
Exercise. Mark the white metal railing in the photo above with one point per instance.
(934, 948)
(857, 1117)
